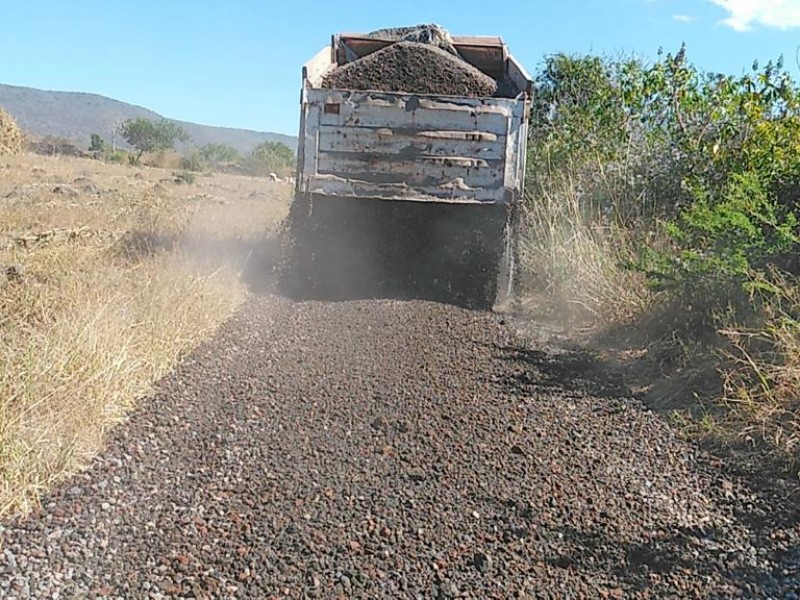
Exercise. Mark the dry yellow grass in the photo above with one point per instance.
(762, 374)
(739, 388)
(124, 272)
(572, 262)
(12, 141)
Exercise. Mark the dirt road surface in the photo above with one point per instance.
(381, 449)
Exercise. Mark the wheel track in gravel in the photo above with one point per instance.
(400, 450)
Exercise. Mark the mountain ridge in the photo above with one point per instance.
(77, 115)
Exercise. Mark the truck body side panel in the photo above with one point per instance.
(407, 147)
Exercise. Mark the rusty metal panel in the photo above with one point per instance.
(410, 147)
(410, 144)
(515, 145)
(454, 192)
(383, 109)
(310, 140)
(518, 74)
(422, 171)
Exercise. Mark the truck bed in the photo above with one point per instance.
(373, 144)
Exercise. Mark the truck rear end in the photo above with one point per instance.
(407, 194)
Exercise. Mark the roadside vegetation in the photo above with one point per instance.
(109, 274)
(154, 142)
(662, 215)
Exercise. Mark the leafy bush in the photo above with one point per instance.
(148, 136)
(96, 143)
(270, 157)
(215, 155)
(666, 197)
(701, 169)
(193, 162)
(118, 156)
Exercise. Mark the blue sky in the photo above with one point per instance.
(237, 63)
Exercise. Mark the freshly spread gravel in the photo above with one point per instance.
(413, 68)
(380, 449)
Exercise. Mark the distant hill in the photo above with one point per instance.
(76, 116)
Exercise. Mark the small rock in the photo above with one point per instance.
(15, 272)
(380, 423)
(448, 589)
(482, 561)
(416, 474)
(65, 190)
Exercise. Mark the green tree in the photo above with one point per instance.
(270, 157)
(216, 154)
(96, 143)
(148, 136)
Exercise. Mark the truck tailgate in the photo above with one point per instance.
(409, 147)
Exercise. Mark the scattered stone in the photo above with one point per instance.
(66, 190)
(15, 273)
(483, 562)
(416, 474)
(380, 423)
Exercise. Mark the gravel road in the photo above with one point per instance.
(381, 449)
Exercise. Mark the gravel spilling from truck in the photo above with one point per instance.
(383, 449)
(413, 68)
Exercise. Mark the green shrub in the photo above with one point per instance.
(119, 156)
(270, 157)
(701, 170)
(96, 143)
(193, 162)
(215, 155)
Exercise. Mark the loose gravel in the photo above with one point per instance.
(383, 449)
(413, 68)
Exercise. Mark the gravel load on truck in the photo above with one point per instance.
(425, 34)
(413, 68)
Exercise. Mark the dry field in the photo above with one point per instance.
(109, 274)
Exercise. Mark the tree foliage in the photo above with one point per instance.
(150, 136)
(712, 161)
(269, 157)
(96, 143)
(216, 154)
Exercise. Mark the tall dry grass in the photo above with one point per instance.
(761, 374)
(737, 384)
(573, 252)
(103, 299)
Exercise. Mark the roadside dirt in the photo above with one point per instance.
(384, 449)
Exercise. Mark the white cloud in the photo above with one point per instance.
(683, 18)
(743, 14)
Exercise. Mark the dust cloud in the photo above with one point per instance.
(357, 248)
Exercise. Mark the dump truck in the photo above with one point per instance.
(410, 193)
